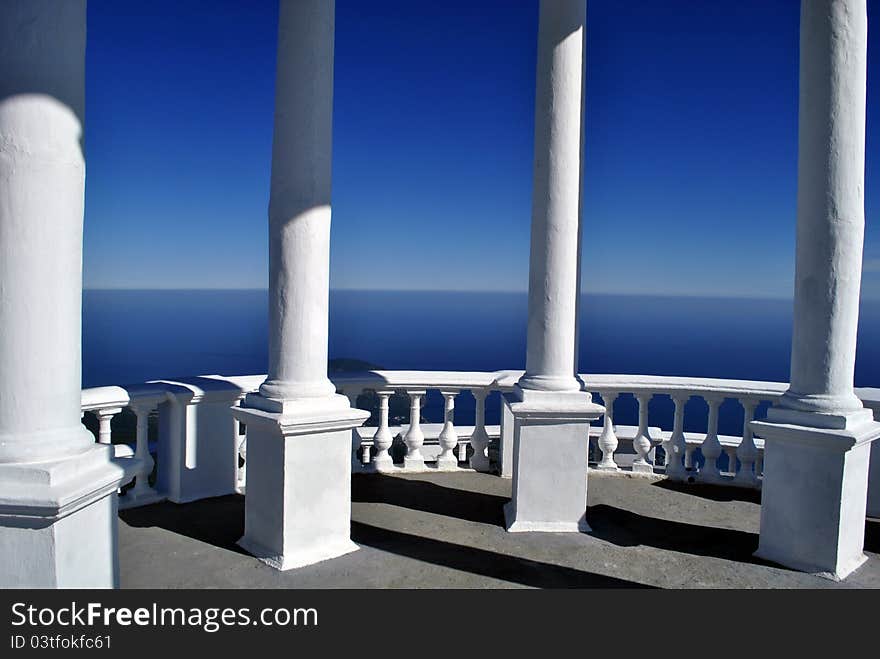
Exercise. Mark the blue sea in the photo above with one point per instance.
(132, 336)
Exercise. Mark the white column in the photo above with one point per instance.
(299, 203)
(551, 412)
(298, 504)
(830, 210)
(57, 501)
(818, 437)
(553, 263)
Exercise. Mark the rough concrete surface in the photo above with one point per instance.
(445, 530)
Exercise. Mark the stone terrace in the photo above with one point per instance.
(447, 531)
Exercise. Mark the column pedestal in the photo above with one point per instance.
(55, 518)
(550, 447)
(814, 493)
(298, 512)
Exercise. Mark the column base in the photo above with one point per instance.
(294, 559)
(550, 461)
(414, 464)
(448, 464)
(814, 492)
(298, 501)
(58, 521)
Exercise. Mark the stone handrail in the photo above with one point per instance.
(453, 441)
(201, 448)
(744, 452)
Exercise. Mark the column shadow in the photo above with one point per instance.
(712, 492)
(428, 497)
(504, 567)
(218, 521)
(628, 529)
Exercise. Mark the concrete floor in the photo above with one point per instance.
(446, 531)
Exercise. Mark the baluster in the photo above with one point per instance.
(240, 451)
(462, 452)
(642, 440)
(759, 465)
(356, 466)
(730, 451)
(607, 441)
(242, 470)
(747, 452)
(382, 440)
(480, 438)
(414, 438)
(711, 448)
(676, 447)
(142, 491)
(689, 456)
(105, 416)
(448, 437)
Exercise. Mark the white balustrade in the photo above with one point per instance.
(642, 442)
(676, 446)
(430, 446)
(383, 439)
(414, 438)
(747, 452)
(479, 438)
(607, 441)
(142, 492)
(448, 439)
(711, 447)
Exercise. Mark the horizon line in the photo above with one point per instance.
(737, 295)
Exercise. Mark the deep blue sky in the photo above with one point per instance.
(690, 148)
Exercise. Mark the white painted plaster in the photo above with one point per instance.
(57, 487)
(299, 204)
(831, 206)
(553, 264)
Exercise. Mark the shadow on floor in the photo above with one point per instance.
(218, 521)
(872, 536)
(425, 496)
(505, 567)
(712, 492)
(628, 529)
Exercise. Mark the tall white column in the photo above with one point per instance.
(57, 487)
(298, 504)
(817, 438)
(830, 210)
(299, 203)
(551, 413)
(553, 262)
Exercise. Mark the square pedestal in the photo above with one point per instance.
(298, 500)
(813, 497)
(549, 451)
(58, 522)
